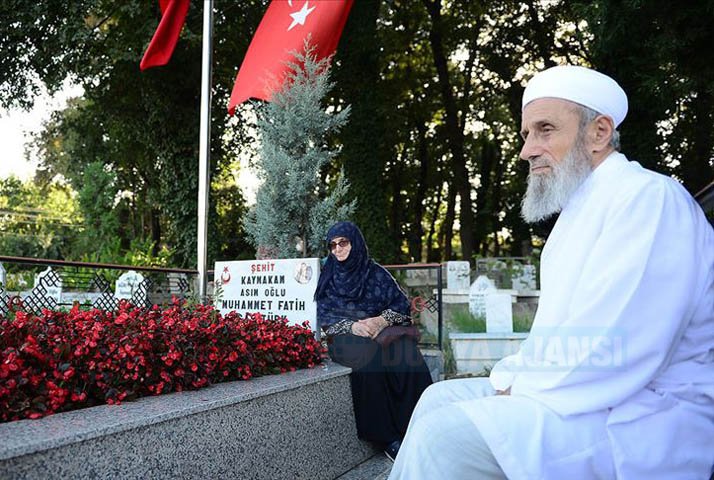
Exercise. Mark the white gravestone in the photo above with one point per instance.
(127, 285)
(458, 276)
(177, 282)
(274, 288)
(53, 291)
(525, 279)
(477, 295)
(499, 313)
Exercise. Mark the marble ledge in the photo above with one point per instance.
(25, 437)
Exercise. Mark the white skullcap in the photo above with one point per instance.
(580, 85)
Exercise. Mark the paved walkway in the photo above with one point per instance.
(374, 468)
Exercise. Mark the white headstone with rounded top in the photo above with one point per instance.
(127, 285)
(51, 282)
(477, 295)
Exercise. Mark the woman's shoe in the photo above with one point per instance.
(392, 449)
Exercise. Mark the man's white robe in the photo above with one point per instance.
(616, 378)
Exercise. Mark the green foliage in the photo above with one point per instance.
(142, 252)
(141, 126)
(37, 221)
(227, 228)
(522, 323)
(291, 206)
(368, 144)
(96, 200)
(670, 122)
(432, 142)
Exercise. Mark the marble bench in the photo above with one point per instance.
(291, 426)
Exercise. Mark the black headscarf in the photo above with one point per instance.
(358, 287)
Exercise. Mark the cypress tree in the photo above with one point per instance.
(293, 208)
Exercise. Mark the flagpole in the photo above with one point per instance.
(204, 153)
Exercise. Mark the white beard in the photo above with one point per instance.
(548, 193)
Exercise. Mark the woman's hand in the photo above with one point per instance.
(374, 325)
(361, 329)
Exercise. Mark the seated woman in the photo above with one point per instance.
(357, 299)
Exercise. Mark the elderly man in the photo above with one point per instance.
(616, 379)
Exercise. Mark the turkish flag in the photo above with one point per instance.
(173, 16)
(284, 28)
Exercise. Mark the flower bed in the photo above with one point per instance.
(61, 361)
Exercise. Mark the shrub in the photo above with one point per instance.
(61, 361)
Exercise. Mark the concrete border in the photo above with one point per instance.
(295, 425)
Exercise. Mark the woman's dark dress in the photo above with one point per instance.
(386, 381)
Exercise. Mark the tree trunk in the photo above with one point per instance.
(496, 194)
(155, 231)
(417, 231)
(447, 228)
(397, 208)
(454, 129)
(430, 256)
(483, 213)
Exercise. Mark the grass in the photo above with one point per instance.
(464, 322)
(522, 323)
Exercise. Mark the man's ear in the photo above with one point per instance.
(601, 132)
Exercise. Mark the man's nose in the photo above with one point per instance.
(531, 148)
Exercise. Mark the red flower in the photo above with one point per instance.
(59, 361)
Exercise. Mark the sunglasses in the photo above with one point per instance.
(341, 244)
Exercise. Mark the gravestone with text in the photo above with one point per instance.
(481, 287)
(458, 276)
(273, 288)
(494, 305)
(524, 278)
(49, 285)
(130, 286)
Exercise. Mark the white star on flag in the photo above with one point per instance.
(301, 15)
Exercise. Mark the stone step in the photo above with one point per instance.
(374, 468)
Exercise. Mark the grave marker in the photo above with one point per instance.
(274, 288)
(499, 313)
(51, 282)
(525, 278)
(129, 285)
(458, 276)
(477, 295)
